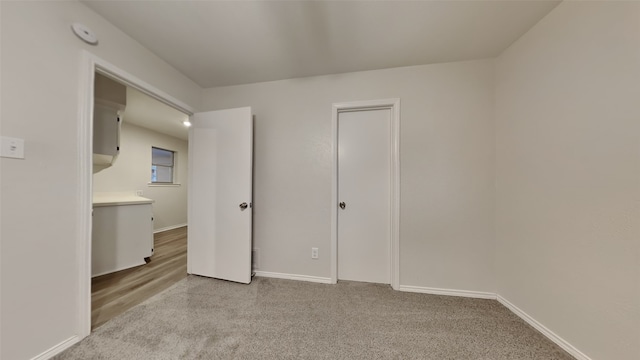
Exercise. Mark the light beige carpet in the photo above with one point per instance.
(201, 318)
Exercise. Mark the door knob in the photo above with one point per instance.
(243, 206)
(342, 205)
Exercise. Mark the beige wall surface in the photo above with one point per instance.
(132, 171)
(447, 169)
(40, 66)
(568, 176)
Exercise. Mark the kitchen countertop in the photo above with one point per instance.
(116, 199)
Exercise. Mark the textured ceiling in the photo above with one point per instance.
(217, 43)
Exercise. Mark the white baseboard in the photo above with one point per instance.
(315, 279)
(169, 228)
(58, 348)
(579, 355)
(448, 292)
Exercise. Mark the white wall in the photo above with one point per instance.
(568, 176)
(132, 171)
(40, 65)
(447, 169)
(565, 164)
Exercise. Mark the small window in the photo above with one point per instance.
(162, 166)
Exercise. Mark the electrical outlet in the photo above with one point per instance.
(139, 192)
(314, 253)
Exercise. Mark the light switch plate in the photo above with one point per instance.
(12, 147)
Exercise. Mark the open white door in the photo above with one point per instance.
(220, 194)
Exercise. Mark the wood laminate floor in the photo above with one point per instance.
(114, 293)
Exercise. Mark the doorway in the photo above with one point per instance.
(365, 192)
(91, 65)
(139, 233)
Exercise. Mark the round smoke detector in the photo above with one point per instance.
(84, 33)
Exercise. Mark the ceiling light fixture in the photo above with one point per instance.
(186, 123)
(84, 33)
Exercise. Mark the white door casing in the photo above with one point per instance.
(220, 192)
(89, 66)
(394, 217)
(364, 185)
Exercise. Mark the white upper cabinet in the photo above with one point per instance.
(110, 99)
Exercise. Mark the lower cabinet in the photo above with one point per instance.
(122, 237)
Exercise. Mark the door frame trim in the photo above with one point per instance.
(393, 105)
(89, 65)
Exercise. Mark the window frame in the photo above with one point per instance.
(173, 168)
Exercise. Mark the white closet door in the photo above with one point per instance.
(364, 193)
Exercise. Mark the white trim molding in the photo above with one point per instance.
(565, 345)
(105, 68)
(85, 192)
(91, 64)
(57, 349)
(167, 228)
(448, 292)
(394, 106)
(315, 279)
